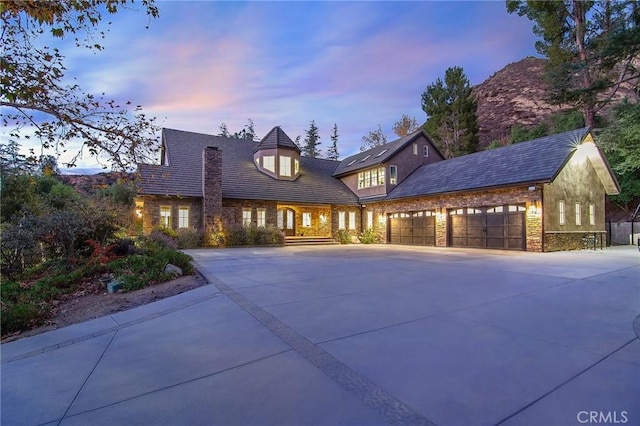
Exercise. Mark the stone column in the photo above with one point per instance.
(211, 194)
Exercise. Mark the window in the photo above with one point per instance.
(496, 209)
(306, 219)
(246, 217)
(183, 217)
(369, 220)
(351, 163)
(296, 166)
(365, 158)
(382, 152)
(165, 216)
(261, 217)
(561, 212)
(269, 163)
(352, 220)
(342, 220)
(415, 149)
(372, 177)
(516, 208)
(425, 150)
(285, 165)
(578, 214)
(393, 175)
(592, 214)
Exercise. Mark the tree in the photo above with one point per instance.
(592, 47)
(451, 114)
(247, 132)
(36, 93)
(224, 131)
(311, 141)
(332, 152)
(373, 139)
(406, 125)
(620, 141)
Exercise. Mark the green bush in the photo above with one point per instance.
(344, 237)
(140, 270)
(369, 236)
(21, 316)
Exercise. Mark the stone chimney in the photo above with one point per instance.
(211, 192)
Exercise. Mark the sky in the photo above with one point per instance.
(354, 64)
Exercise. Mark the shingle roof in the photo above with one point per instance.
(538, 160)
(276, 138)
(374, 156)
(240, 178)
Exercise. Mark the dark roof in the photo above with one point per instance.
(535, 161)
(277, 138)
(375, 156)
(182, 175)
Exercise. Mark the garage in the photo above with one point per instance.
(495, 227)
(413, 228)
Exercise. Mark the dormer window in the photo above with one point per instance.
(285, 166)
(278, 156)
(269, 163)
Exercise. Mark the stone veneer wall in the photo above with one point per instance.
(561, 241)
(211, 192)
(441, 203)
(232, 211)
(319, 227)
(151, 211)
(335, 220)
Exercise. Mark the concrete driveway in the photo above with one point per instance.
(360, 335)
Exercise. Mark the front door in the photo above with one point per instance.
(287, 221)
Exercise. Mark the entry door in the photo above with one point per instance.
(287, 221)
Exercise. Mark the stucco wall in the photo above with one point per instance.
(577, 182)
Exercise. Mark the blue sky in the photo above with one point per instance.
(355, 64)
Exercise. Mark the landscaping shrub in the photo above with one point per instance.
(344, 237)
(369, 236)
(238, 235)
(162, 237)
(21, 316)
(189, 238)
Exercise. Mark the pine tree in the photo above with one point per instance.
(311, 141)
(332, 152)
(451, 114)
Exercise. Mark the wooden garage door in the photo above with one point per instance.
(414, 228)
(497, 227)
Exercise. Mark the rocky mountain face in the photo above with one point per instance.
(515, 95)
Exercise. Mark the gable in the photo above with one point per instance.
(535, 161)
(382, 154)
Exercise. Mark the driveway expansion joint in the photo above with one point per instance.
(393, 410)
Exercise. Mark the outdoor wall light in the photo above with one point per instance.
(323, 218)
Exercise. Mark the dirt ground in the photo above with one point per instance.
(92, 301)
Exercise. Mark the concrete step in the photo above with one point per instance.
(309, 241)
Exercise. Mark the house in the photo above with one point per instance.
(542, 195)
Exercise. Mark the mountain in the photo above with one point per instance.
(515, 95)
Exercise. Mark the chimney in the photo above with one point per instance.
(211, 190)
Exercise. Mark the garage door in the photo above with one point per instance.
(498, 227)
(415, 228)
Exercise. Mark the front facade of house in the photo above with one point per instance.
(541, 195)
